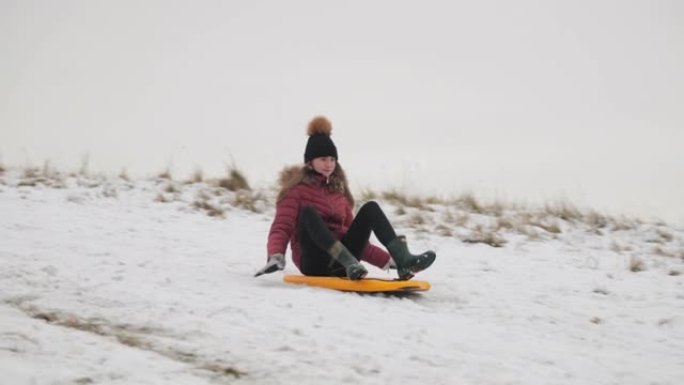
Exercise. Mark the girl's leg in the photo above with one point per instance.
(369, 218)
(322, 253)
(314, 242)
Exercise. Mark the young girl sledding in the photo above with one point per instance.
(314, 215)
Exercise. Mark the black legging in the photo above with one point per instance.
(315, 238)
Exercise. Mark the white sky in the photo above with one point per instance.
(520, 100)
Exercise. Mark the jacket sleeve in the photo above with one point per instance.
(284, 223)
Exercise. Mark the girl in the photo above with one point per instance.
(314, 215)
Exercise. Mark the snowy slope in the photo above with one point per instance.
(106, 281)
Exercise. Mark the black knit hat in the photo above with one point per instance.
(319, 143)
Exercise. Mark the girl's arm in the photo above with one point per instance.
(284, 223)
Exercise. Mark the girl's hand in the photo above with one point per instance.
(275, 262)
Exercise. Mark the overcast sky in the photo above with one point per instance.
(517, 100)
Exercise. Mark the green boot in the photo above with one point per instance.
(352, 266)
(407, 263)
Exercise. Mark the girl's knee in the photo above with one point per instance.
(371, 205)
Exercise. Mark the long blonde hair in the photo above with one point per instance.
(294, 175)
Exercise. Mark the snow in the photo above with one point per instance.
(109, 281)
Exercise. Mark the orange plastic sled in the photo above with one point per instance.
(366, 285)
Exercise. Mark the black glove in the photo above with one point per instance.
(275, 262)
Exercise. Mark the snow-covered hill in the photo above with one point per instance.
(110, 281)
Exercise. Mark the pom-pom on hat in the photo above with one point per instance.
(319, 143)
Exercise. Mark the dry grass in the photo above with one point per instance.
(123, 175)
(564, 210)
(664, 235)
(601, 290)
(235, 181)
(31, 173)
(197, 176)
(28, 183)
(211, 209)
(624, 224)
(620, 248)
(368, 195)
(203, 202)
(418, 220)
(469, 203)
(444, 231)
(163, 198)
(171, 188)
(596, 220)
(506, 224)
(132, 341)
(109, 191)
(166, 174)
(488, 237)
(661, 252)
(636, 265)
(249, 200)
(132, 336)
(45, 176)
(404, 200)
(459, 219)
(223, 370)
(547, 224)
(465, 217)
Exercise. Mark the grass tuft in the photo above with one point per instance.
(636, 265)
(546, 224)
(480, 235)
(469, 203)
(223, 370)
(596, 220)
(417, 220)
(235, 181)
(123, 175)
(171, 188)
(664, 235)
(211, 209)
(197, 176)
(624, 224)
(203, 203)
(248, 200)
(564, 210)
(444, 231)
(166, 174)
(404, 200)
(368, 195)
(163, 198)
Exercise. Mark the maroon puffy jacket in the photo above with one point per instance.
(333, 207)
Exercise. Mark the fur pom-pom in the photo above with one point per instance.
(319, 125)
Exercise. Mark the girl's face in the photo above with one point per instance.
(324, 165)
